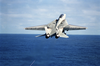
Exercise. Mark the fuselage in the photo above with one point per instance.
(55, 30)
(60, 19)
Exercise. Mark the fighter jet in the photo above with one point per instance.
(56, 28)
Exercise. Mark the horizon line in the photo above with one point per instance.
(41, 33)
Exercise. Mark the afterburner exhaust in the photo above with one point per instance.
(47, 35)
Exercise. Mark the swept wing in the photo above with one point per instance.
(36, 27)
(74, 27)
(42, 27)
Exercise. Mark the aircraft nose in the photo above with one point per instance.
(61, 15)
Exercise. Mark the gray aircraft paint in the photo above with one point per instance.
(56, 28)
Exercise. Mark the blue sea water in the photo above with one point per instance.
(27, 50)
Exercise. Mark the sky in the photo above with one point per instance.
(15, 15)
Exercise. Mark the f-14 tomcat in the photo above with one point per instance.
(56, 28)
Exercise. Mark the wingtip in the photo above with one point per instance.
(25, 28)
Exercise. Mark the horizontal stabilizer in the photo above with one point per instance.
(40, 35)
(63, 35)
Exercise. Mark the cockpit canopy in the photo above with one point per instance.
(61, 15)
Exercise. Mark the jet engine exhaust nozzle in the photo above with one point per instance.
(47, 35)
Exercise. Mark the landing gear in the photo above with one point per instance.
(64, 32)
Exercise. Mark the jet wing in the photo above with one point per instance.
(42, 27)
(73, 27)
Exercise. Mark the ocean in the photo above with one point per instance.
(28, 50)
